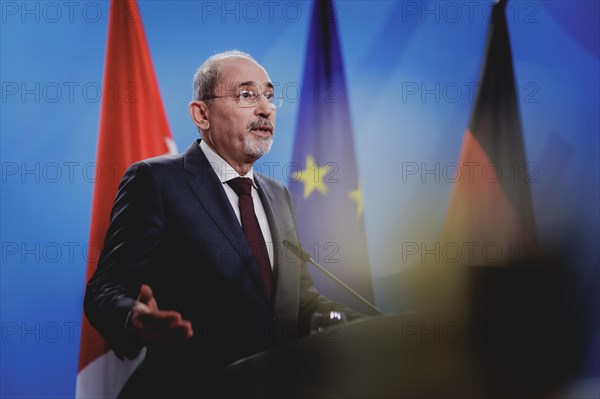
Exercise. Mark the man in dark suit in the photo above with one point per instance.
(186, 271)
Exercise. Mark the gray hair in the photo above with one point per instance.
(207, 76)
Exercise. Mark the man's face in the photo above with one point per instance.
(238, 132)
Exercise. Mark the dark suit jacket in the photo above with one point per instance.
(173, 228)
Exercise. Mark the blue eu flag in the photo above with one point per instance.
(324, 185)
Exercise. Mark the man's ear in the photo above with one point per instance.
(199, 113)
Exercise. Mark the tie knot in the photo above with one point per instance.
(241, 185)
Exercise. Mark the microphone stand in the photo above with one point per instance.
(305, 257)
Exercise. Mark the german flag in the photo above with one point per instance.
(490, 210)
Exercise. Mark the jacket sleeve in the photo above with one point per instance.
(133, 235)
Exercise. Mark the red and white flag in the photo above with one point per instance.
(133, 126)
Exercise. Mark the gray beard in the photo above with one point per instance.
(257, 147)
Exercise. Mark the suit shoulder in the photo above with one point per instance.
(160, 164)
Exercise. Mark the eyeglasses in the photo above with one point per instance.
(248, 98)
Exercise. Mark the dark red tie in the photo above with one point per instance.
(243, 188)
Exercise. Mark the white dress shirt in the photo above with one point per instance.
(226, 172)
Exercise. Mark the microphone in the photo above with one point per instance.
(300, 253)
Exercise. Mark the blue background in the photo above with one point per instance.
(390, 49)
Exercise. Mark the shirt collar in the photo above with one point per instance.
(223, 170)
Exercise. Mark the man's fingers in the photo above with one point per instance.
(160, 318)
(172, 335)
(163, 326)
(145, 293)
(147, 296)
(179, 332)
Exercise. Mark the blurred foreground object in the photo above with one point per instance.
(479, 331)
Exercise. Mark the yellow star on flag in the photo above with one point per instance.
(357, 197)
(313, 177)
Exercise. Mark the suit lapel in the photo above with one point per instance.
(209, 191)
(285, 274)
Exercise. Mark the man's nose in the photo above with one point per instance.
(264, 107)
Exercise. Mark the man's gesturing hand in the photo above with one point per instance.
(153, 325)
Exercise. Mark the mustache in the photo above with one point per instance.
(260, 123)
